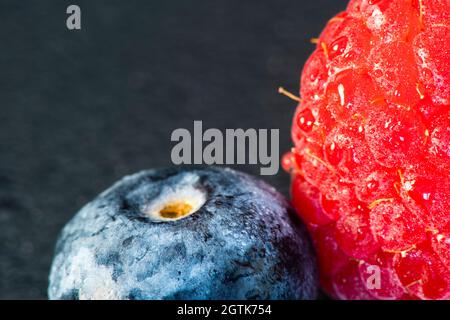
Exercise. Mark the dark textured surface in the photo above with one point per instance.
(244, 242)
(81, 109)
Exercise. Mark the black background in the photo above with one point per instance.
(80, 109)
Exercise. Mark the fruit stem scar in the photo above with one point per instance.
(176, 202)
(282, 91)
(175, 210)
(378, 201)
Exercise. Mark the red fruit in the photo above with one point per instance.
(422, 273)
(348, 284)
(395, 227)
(371, 162)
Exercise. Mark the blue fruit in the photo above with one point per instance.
(185, 234)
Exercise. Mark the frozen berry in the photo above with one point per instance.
(185, 234)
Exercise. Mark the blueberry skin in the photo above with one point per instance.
(244, 242)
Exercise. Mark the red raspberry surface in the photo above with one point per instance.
(371, 157)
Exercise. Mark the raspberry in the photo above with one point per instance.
(371, 159)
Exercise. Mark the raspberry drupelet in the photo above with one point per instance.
(371, 159)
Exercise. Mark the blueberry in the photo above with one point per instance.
(185, 234)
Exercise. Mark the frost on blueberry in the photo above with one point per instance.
(371, 159)
(185, 234)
